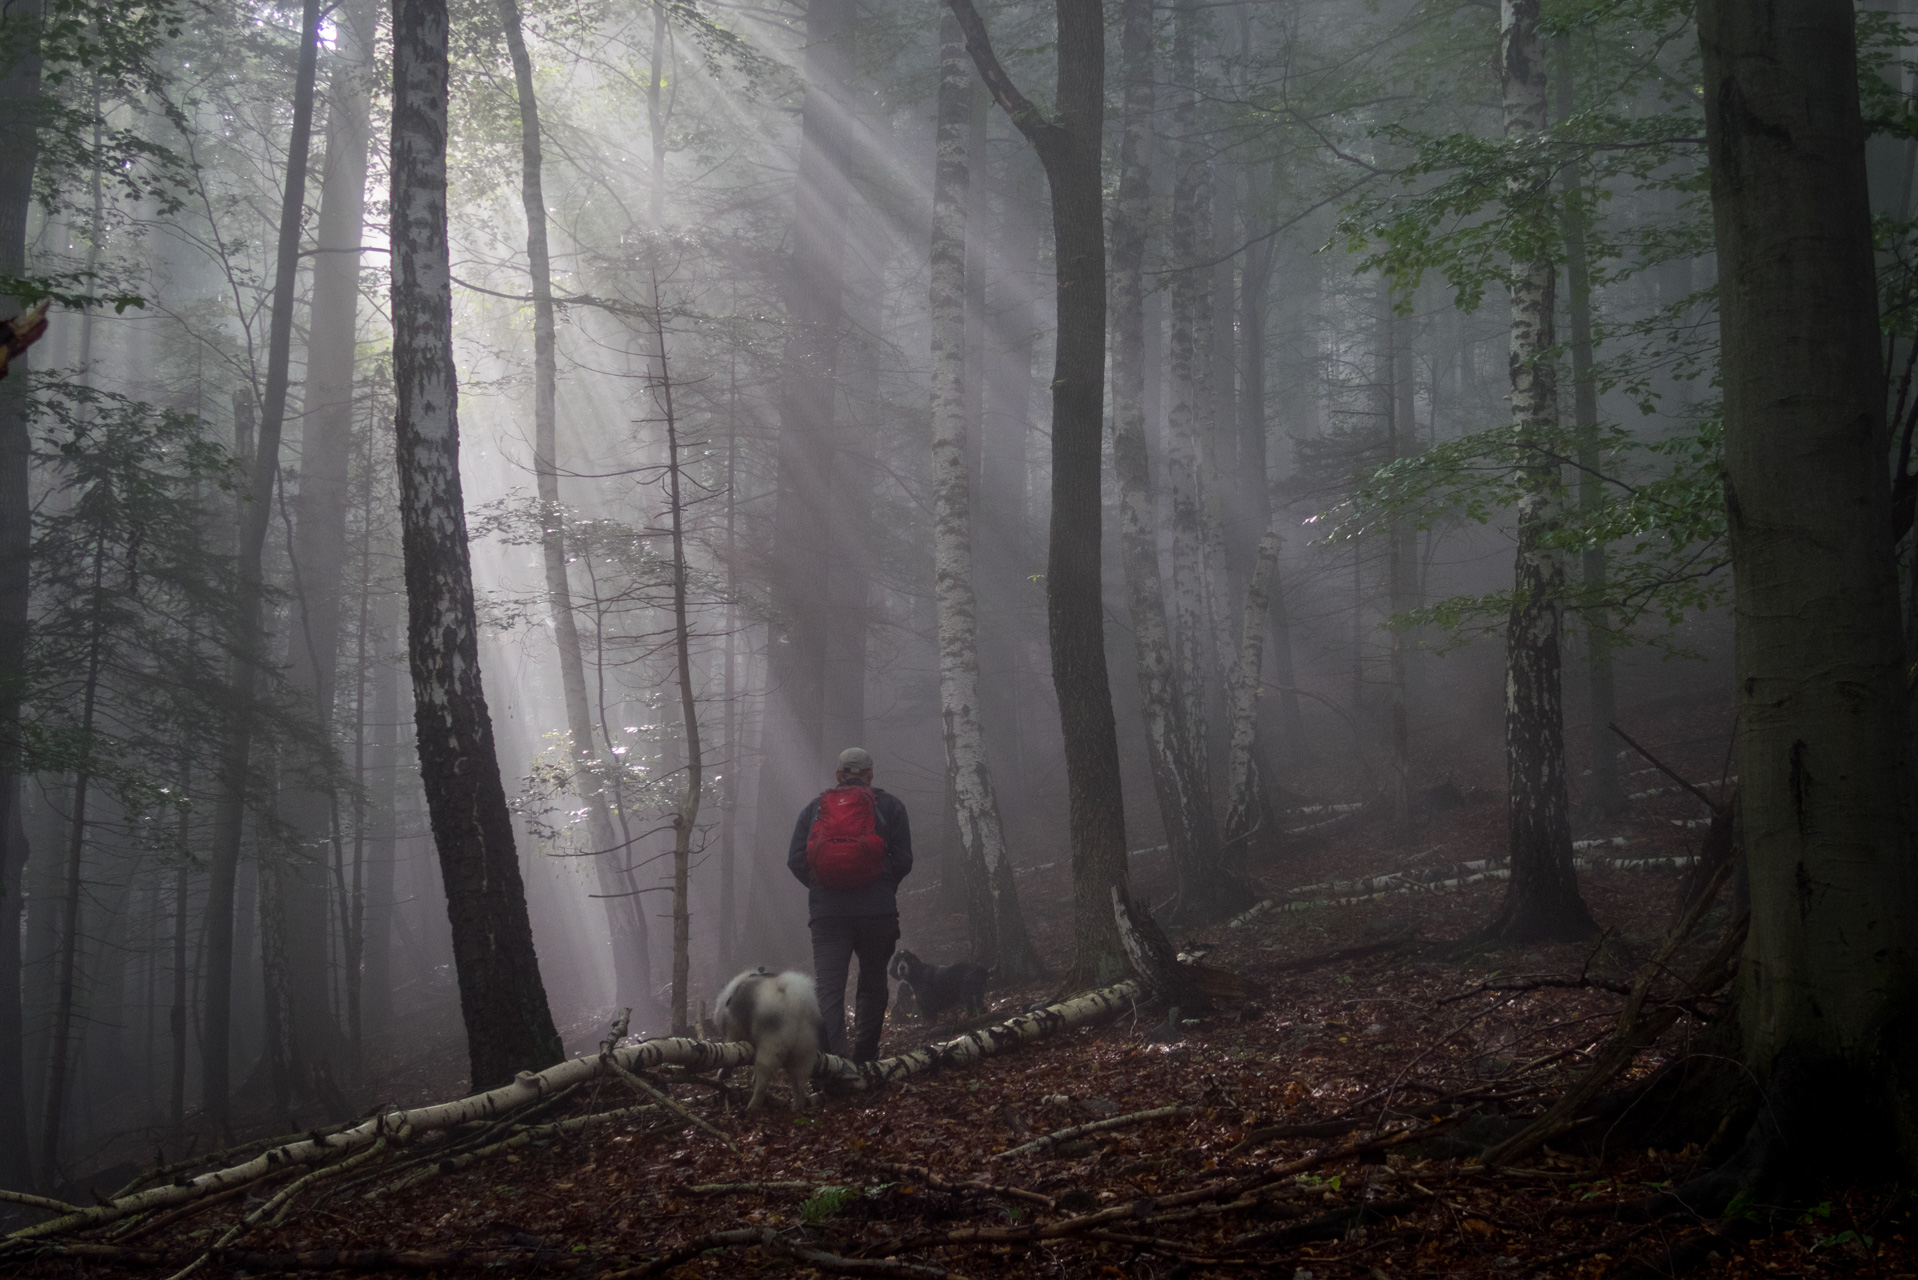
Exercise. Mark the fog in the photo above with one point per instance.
(740, 203)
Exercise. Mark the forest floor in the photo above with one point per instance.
(1369, 1013)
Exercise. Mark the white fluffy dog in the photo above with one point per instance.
(778, 1014)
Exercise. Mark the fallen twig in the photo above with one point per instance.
(660, 1097)
(1638, 1024)
(1159, 1244)
(523, 1137)
(268, 1263)
(1239, 1194)
(275, 1208)
(530, 1087)
(1096, 1126)
(771, 1241)
(1540, 984)
(727, 1188)
(1693, 787)
(1327, 1226)
(921, 1174)
(39, 1202)
(1318, 1129)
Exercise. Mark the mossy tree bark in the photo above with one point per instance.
(1825, 771)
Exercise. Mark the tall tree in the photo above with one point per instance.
(1189, 352)
(1824, 763)
(236, 767)
(1178, 765)
(625, 916)
(794, 753)
(1008, 951)
(19, 150)
(1541, 899)
(1069, 148)
(308, 805)
(508, 1025)
(1605, 798)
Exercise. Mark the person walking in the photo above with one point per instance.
(851, 847)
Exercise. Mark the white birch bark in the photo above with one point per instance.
(1243, 785)
(1191, 213)
(1543, 901)
(648, 1055)
(975, 804)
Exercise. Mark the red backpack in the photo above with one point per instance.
(844, 850)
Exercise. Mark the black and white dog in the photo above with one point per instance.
(939, 987)
(778, 1014)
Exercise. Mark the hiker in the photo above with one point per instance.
(851, 847)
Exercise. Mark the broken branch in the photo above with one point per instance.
(1096, 1126)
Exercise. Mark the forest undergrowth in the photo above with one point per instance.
(1310, 1132)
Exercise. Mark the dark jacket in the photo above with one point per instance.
(881, 897)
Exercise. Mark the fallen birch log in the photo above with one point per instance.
(1461, 876)
(531, 1087)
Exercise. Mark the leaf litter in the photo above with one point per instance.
(1282, 1137)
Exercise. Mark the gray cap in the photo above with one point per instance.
(855, 759)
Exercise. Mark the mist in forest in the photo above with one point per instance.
(756, 330)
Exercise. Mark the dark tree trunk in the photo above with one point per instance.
(1069, 148)
(236, 762)
(67, 958)
(319, 532)
(508, 1025)
(16, 1168)
(1606, 798)
(376, 936)
(1824, 765)
(795, 758)
(19, 150)
(1541, 899)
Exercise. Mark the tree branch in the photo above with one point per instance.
(1041, 132)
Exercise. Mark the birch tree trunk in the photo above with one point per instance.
(1245, 787)
(1185, 423)
(975, 804)
(625, 917)
(1541, 899)
(1178, 776)
(1824, 762)
(508, 1026)
(236, 764)
(1069, 148)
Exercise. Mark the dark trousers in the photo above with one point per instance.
(835, 941)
